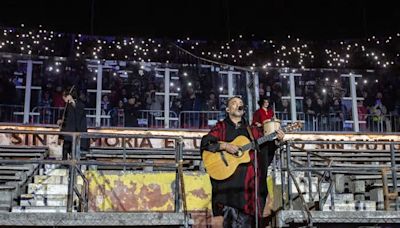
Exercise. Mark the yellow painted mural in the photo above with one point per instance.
(141, 191)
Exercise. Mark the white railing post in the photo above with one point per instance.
(28, 90)
(353, 97)
(292, 96)
(99, 91)
(167, 93)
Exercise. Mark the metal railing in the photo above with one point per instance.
(7, 113)
(75, 163)
(47, 115)
(335, 122)
(203, 119)
(298, 157)
(91, 118)
(50, 115)
(155, 119)
(199, 119)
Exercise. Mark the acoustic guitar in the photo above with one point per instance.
(221, 164)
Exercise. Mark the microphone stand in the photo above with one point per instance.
(256, 150)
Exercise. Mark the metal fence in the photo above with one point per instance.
(8, 113)
(199, 119)
(202, 119)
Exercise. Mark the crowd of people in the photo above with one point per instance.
(134, 83)
(366, 53)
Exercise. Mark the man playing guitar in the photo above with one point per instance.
(234, 197)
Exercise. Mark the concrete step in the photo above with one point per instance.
(39, 209)
(6, 188)
(53, 179)
(45, 179)
(17, 167)
(56, 172)
(5, 207)
(49, 189)
(43, 200)
(10, 178)
(6, 193)
(348, 206)
(9, 172)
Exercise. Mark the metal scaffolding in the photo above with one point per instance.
(320, 164)
(179, 217)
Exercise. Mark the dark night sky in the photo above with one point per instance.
(209, 19)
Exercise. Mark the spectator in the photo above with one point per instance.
(211, 103)
(322, 114)
(45, 108)
(105, 105)
(58, 100)
(337, 111)
(310, 114)
(189, 100)
(124, 96)
(131, 113)
(362, 115)
(378, 112)
(117, 115)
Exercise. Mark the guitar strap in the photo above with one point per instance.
(256, 150)
(250, 133)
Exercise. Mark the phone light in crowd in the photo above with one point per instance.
(376, 81)
(335, 81)
(323, 90)
(221, 89)
(171, 84)
(327, 79)
(94, 78)
(365, 81)
(185, 74)
(189, 84)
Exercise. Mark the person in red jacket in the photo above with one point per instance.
(263, 113)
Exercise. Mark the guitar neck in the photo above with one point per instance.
(270, 137)
(262, 140)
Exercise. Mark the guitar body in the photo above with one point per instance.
(221, 165)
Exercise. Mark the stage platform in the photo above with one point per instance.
(94, 219)
(284, 218)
